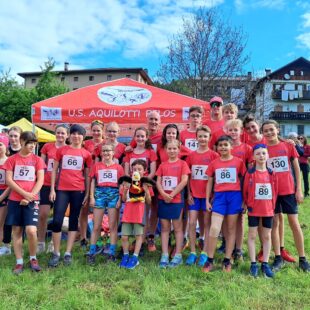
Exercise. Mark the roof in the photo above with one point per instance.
(142, 71)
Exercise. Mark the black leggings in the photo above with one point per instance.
(305, 171)
(63, 198)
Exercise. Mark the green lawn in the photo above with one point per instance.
(147, 287)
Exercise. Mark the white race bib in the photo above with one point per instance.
(24, 173)
(278, 164)
(70, 162)
(263, 191)
(226, 175)
(50, 164)
(199, 172)
(169, 183)
(2, 176)
(191, 144)
(107, 175)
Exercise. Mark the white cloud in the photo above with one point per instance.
(303, 39)
(243, 5)
(33, 30)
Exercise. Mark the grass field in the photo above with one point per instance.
(147, 287)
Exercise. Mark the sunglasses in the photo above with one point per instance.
(216, 104)
(300, 138)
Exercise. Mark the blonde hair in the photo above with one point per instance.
(230, 107)
(234, 123)
(203, 128)
(112, 124)
(175, 142)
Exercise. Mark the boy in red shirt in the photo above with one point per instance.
(25, 177)
(260, 192)
(225, 174)
(216, 120)
(134, 217)
(283, 160)
(198, 162)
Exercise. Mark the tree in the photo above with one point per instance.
(16, 101)
(205, 52)
(175, 86)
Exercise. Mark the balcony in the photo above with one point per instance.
(277, 94)
(290, 116)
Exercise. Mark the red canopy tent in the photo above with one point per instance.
(125, 101)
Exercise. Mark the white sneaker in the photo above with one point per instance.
(50, 247)
(41, 247)
(5, 250)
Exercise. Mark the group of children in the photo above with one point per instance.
(209, 177)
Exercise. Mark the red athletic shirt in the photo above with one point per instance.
(106, 176)
(93, 148)
(304, 158)
(220, 132)
(155, 140)
(244, 152)
(251, 144)
(118, 151)
(189, 139)
(24, 172)
(226, 174)
(215, 125)
(280, 156)
(198, 163)
(171, 175)
(148, 155)
(71, 168)
(49, 150)
(3, 186)
(260, 193)
(163, 156)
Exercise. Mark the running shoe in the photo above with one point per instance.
(191, 259)
(18, 269)
(176, 261)
(151, 247)
(267, 272)
(260, 256)
(202, 260)
(111, 258)
(238, 256)
(67, 260)
(41, 247)
(54, 260)
(164, 261)
(90, 259)
(124, 261)
(287, 256)
(5, 250)
(254, 270)
(277, 264)
(133, 262)
(34, 265)
(50, 247)
(304, 265)
(226, 267)
(207, 267)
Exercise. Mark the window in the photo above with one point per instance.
(292, 72)
(62, 79)
(76, 78)
(128, 76)
(91, 78)
(300, 129)
(301, 73)
(33, 81)
(109, 77)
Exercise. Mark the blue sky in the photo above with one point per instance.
(134, 33)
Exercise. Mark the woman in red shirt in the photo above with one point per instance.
(303, 163)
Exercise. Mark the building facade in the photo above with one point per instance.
(75, 79)
(284, 95)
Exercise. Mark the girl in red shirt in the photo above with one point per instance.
(24, 176)
(71, 186)
(251, 127)
(260, 192)
(4, 190)
(172, 177)
(48, 154)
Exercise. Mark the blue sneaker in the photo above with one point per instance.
(267, 272)
(202, 260)
(254, 270)
(176, 261)
(191, 259)
(133, 262)
(124, 261)
(164, 261)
